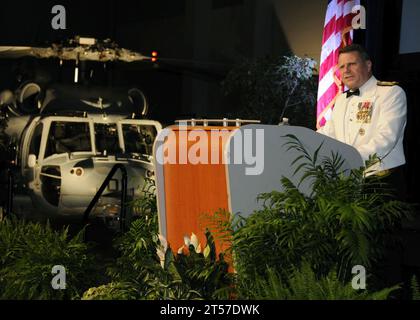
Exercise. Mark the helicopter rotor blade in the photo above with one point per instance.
(78, 53)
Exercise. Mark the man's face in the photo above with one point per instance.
(354, 70)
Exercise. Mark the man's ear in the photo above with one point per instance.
(369, 65)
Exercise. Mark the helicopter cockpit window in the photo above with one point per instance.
(139, 139)
(68, 137)
(106, 139)
(36, 140)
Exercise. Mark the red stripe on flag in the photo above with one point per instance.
(329, 30)
(328, 64)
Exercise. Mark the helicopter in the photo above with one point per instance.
(66, 139)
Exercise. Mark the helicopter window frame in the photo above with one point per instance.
(26, 140)
(52, 120)
(36, 134)
(131, 122)
(117, 146)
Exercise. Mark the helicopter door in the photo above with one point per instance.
(29, 155)
(30, 150)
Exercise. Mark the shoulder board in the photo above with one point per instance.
(387, 83)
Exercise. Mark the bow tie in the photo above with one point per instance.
(352, 93)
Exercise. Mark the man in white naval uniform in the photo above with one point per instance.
(371, 116)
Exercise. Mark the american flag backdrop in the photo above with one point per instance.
(338, 33)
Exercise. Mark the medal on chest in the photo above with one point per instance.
(364, 113)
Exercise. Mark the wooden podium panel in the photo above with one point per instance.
(186, 190)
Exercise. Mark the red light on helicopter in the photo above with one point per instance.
(154, 56)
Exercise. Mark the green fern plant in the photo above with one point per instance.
(343, 222)
(415, 288)
(303, 284)
(203, 271)
(139, 274)
(28, 252)
(111, 291)
(146, 205)
(137, 255)
(137, 247)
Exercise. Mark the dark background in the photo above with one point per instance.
(187, 81)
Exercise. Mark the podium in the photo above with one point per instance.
(242, 162)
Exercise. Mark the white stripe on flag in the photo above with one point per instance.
(349, 6)
(325, 83)
(333, 43)
(339, 11)
(330, 11)
(328, 114)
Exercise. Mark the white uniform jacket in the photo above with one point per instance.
(373, 122)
